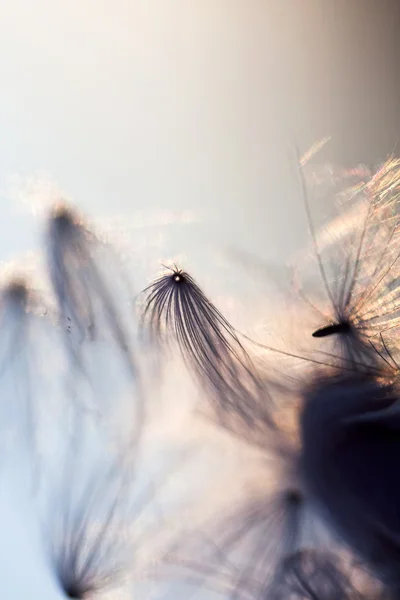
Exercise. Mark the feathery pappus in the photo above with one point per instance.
(349, 420)
(359, 263)
(87, 532)
(95, 518)
(347, 435)
(175, 309)
(85, 295)
(26, 386)
(323, 520)
(84, 430)
(94, 308)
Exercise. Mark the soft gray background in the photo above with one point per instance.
(177, 118)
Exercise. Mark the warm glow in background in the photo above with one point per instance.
(178, 119)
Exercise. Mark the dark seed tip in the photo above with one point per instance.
(17, 291)
(333, 328)
(178, 276)
(74, 593)
(63, 219)
(294, 497)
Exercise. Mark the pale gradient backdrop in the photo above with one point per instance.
(176, 121)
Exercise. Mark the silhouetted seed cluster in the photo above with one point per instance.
(348, 418)
(326, 524)
(83, 478)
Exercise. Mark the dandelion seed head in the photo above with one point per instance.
(308, 439)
